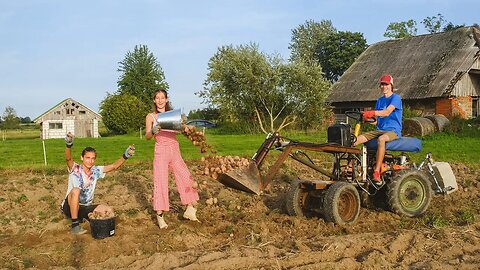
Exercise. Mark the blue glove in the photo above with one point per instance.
(129, 152)
(156, 128)
(69, 139)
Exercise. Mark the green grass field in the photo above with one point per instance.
(26, 151)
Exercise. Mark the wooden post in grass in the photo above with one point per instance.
(44, 153)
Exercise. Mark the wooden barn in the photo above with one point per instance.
(434, 74)
(69, 116)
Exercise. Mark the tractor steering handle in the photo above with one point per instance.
(355, 115)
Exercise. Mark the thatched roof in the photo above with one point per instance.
(423, 66)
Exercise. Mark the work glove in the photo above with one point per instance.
(368, 114)
(69, 139)
(129, 152)
(156, 128)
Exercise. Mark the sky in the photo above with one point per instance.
(51, 50)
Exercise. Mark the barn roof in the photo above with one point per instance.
(69, 100)
(422, 66)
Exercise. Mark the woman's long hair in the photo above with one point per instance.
(168, 106)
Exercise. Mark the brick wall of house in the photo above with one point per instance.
(457, 106)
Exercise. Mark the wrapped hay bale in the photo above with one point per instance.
(439, 120)
(417, 126)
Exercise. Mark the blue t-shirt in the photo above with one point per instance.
(394, 120)
(77, 178)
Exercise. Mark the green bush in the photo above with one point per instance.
(464, 128)
(123, 113)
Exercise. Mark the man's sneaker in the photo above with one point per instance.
(191, 213)
(78, 230)
(377, 180)
(161, 222)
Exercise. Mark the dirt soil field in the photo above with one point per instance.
(240, 231)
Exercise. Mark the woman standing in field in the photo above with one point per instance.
(167, 156)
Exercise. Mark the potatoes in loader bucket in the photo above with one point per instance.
(246, 179)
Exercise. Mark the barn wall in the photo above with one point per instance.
(458, 106)
(466, 86)
(67, 126)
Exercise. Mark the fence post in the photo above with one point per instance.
(44, 153)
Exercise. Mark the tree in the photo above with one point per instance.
(306, 39)
(307, 92)
(25, 120)
(122, 113)
(337, 52)
(450, 26)
(209, 113)
(321, 43)
(141, 75)
(246, 84)
(10, 119)
(434, 24)
(401, 29)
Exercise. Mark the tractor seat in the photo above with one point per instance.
(404, 144)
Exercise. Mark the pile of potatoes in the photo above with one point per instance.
(212, 165)
(100, 215)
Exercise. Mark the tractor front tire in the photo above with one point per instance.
(341, 204)
(409, 193)
(297, 200)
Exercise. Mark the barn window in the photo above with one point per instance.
(57, 113)
(70, 111)
(82, 112)
(55, 125)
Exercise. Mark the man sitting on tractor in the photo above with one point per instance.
(388, 110)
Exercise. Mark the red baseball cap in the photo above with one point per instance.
(387, 78)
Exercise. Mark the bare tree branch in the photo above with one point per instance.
(260, 121)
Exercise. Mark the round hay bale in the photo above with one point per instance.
(439, 120)
(417, 126)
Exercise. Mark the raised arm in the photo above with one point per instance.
(130, 151)
(68, 150)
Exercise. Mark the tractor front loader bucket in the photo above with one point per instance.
(245, 179)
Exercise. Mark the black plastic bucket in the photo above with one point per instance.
(102, 228)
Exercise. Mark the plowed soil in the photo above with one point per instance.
(240, 231)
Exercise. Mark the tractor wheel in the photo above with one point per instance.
(409, 193)
(297, 200)
(341, 204)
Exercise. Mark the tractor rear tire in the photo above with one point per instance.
(297, 200)
(341, 204)
(409, 193)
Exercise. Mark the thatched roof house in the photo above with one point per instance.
(69, 116)
(436, 73)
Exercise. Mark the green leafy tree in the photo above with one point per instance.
(307, 92)
(209, 113)
(122, 113)
(10, 119)
(141, 75)
(25, 120)
(306, 39)
(450, 26)
(401, 29)
(314, 42)
(337, 52)
(246, 84)
(434, 24)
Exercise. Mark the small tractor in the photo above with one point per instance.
(337, 196)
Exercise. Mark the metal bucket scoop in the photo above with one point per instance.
(244, 179)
